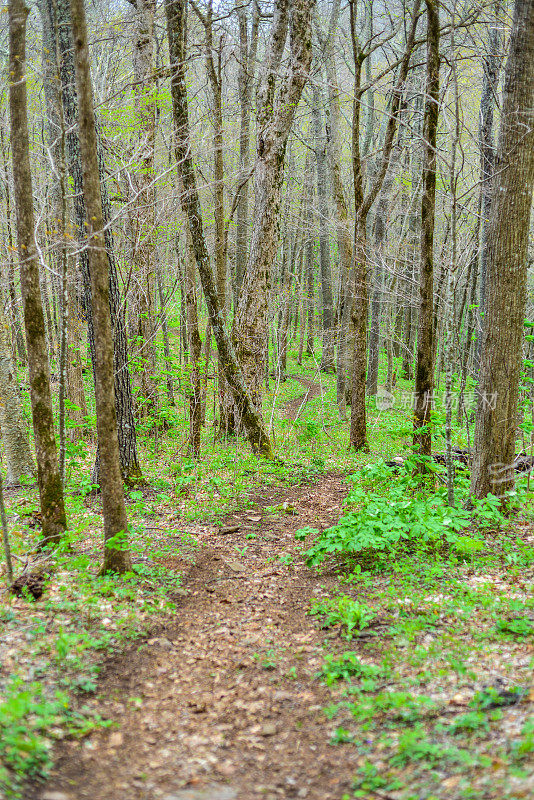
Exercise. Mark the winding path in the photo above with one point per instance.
(223, 703)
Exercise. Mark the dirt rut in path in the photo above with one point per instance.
(224, 704)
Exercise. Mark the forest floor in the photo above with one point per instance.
(227, 702)
(231, 668)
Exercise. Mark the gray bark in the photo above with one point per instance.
(50, 487)
(495, 431)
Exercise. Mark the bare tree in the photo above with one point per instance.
(327, 356)
(53, 516)
(424, 373)
(116, 556)
(275, 117)
(142, 210)
(248, 45)
(357, 292)
(251, 417)
(496, 424)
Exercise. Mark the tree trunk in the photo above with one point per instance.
(165, 331)
(275, 118)
(195, 349)
(252, 421)
(143, 213)
(58, 229)
(14, 306)
(359, 315)
(380, 227)
(248, 44)
(491, 63)
(285, 315)
(50, 487)
(424, 373)
(327, 357)
(130, 469)
(495, 431)
(56, 134)
(5, 534)
(116, 558)
(16, 445)
(76, 391)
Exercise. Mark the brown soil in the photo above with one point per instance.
(223, 703)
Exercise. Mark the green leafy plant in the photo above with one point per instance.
(415, 746)
(268, 659)
(27, 718)
(398, 706)
(287, 559)
(371, 780)
(471, 721)
(519, 627)
(345, 667)
(466, 547)
(301, 534)
(343, 609)
(524, 747)
(381, 524)
(491, 697)
(341, 736)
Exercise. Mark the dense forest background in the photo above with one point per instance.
(266, 311)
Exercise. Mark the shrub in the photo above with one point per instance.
(381, 523)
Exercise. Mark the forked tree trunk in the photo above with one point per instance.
(344, 243)
(275, 117)
(363, 203)
(252, 421)
(215, 77)
(50, 487)
(495, 431)
(116, 555)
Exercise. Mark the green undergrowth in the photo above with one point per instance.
(31, 719)
(435, 693)
(48, 684)
(390, 512)
(53, 649)
(404, 558)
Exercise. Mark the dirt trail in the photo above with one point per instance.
(223, 703)
(293, 409)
